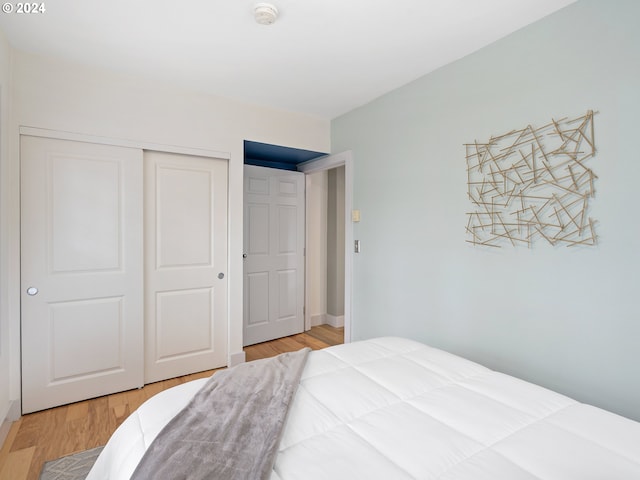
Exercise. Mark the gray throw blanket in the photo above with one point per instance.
(231, 428)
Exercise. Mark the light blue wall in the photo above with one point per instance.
(566, 318)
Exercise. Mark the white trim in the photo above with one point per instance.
(316, 320)
(119, 142)
(14, 411)
(335, 321)
(236, 359)
(4, 431)
(12, 415)
(327, 163)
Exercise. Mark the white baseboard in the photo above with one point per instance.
(326, 319)
(237, 359)
(335, 321)
(4, 431)
(13, 414)
(319, 319)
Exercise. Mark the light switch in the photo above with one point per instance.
(355, 215)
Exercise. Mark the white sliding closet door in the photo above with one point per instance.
(81, 270)
(185, 264)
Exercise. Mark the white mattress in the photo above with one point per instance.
(392, 408)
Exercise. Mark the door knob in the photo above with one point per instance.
(32, 291)
(221, 275)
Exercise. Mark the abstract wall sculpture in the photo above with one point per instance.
(533, 184)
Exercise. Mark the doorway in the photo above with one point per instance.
(273, 254)
(327, 295)
(337, 171)
(325, 247)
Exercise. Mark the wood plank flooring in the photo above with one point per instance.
(42, 436)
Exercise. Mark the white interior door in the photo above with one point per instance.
(274, 253)
(185, 264)
(81, 271)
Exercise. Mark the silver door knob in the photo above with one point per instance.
(32, 291)
(221, 275)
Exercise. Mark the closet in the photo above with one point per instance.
(123, 268)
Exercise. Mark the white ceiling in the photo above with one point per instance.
(322, 57)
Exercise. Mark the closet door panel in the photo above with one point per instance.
(81, 270)
(185, 264)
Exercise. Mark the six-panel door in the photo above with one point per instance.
(274, 253)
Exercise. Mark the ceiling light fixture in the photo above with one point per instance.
(265, 13)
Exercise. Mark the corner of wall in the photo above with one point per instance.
(319, 319)
(336, 321)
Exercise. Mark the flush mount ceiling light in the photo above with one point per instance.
(265, 13)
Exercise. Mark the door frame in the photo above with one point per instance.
(119, 142)
(318, 165)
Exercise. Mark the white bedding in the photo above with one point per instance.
(395, 409)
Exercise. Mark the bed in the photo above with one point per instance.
(393, 408)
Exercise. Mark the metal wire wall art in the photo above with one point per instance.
(533, 184)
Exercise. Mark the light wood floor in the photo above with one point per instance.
(38, 437)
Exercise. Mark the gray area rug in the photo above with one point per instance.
(71, 467)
